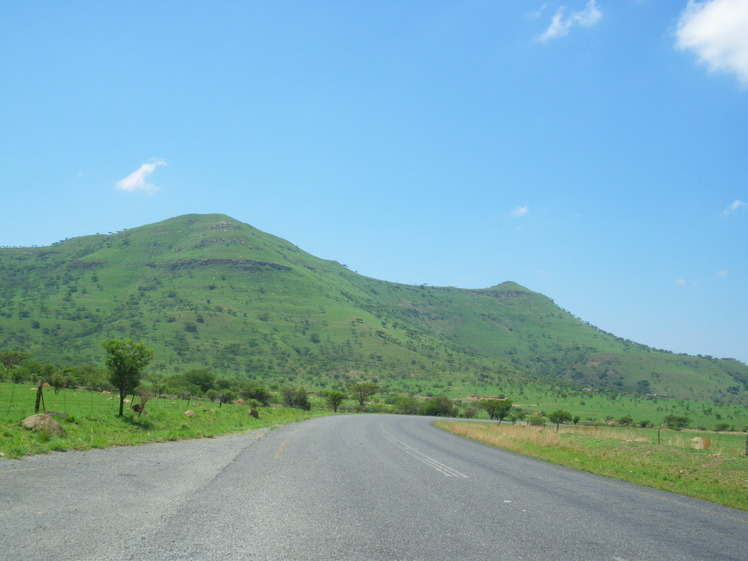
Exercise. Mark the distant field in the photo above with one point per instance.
(595, 408)
(704, 465)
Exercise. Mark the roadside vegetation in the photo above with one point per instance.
(704, 465)
(454, 398)
(124, 404)
(91, 420)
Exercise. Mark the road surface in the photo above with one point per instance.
(359, 487)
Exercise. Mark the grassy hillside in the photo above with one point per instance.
(209, 291)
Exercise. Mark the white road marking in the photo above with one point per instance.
(428, 460)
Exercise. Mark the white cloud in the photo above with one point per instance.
(563, 22)
(138, 180)
(737, 204)
(520, 211)
(722, 274)
(717, 30)
(681, 282)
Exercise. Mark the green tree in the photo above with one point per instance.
(203, 378)
(145, 395)
(626, 421)
(126, 360)
(334, 399)
(439, 407)
(363, 391)
(406, 405)
(59, 381)
(253, 390)
(537, 420)
(11, 359)
(226, 396)
(296, 397)
(497, 408)
(676, 422)
(559, 416)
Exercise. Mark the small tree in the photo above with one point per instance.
(125, 360)
(626, 421)
(439, 406)
(11, 359)
(202, 378)
(59, 381)
(363, 391)
(407, 405)
(676, 422)
(145, 396)
(537, 420)
(226, 396)
(497, 408)
(255, 391)
(296, 397)
(334, 399)
(559, 416)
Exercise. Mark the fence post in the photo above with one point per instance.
(39, 390)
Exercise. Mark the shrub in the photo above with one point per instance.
(439, 407)
(296, 397)
(676, 422)
(537, 420)
(626, 421)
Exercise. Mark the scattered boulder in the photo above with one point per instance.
(697, 443)
(44, 423)
(190, 413)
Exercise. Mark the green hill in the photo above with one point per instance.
(209, 291)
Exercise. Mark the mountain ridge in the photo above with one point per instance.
(210, 291)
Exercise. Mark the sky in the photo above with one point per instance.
(595, 151)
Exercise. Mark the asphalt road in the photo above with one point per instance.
(345, 488)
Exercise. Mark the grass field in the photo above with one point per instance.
(91, 420)
(596, 408)
(704, 465)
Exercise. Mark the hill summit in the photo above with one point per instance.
(208, 291)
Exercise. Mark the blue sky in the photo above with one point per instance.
(593, 151)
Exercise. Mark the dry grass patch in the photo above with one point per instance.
(682, 463)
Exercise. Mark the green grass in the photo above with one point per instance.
(92, 421)
(661, 459)
(597, 408)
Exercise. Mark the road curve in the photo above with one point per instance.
(358, 487)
